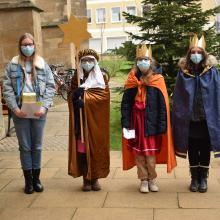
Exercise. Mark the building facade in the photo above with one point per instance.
(40, 18)
(108, 27)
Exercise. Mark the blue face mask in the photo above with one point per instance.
(27, 50)
(88, 66)
(143, 65)
(196, 58)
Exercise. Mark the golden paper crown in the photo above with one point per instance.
(143, 51)
(88, 52)
(196, 42)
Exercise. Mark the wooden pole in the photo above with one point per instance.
(78, 82)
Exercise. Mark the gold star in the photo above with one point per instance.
(75, 31)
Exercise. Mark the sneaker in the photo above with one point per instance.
(153, 186)
(144, 186)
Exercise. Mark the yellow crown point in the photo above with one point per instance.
(196, 42)
(143, 51)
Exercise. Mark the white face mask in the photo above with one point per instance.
(87, 66)
(196, 58)
(27, 50)
(143, 65)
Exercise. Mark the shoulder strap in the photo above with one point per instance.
(18, 78)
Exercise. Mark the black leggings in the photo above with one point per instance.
(199, 152)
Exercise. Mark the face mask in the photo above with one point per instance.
(88, 66)
(143, 65)
(27, 50)
(196, 58)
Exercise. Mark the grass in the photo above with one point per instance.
(118, 70)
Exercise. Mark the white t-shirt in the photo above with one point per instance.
(28, 87)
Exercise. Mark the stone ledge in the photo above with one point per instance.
(24, 4)
(55, 23)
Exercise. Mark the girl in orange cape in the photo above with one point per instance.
(145, 120)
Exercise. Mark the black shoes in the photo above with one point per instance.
(199, 181)
(32, 181)
(28, 189)
(203, 174)
(194, 186)
(36, 181)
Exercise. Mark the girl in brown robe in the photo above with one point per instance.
(89, 158)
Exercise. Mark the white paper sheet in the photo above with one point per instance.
(128, 134)
(30, 109)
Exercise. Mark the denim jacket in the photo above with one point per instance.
(14, 74)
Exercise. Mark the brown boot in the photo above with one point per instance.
(86, 185)
(95, 185)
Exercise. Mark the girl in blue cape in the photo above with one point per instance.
(196, 113)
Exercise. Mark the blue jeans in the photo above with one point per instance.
(30, 136)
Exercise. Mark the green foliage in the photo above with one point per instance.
(168, 25)
(127, 50)
(115, 120)
(112, 66)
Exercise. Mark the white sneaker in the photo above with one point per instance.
(144, 186)
(153, 186)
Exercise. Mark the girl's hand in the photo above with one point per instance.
(19, 113)
(41, 112)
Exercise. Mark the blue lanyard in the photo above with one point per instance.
(18, 77)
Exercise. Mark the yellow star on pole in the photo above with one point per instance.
(75, 31)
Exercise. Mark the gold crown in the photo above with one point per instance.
(88, 52)
(143, 51)
(196, 42)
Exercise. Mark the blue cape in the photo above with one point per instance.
(183, 104)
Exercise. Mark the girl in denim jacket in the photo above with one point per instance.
(28, 73)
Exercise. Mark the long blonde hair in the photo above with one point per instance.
(22, 57)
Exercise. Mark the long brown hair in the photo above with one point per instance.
(190, 66)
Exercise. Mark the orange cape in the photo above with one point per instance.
(166, 155)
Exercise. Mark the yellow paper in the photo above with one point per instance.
(29, 97)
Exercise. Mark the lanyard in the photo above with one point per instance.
(18, 77)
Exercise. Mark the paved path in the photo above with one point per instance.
(119, 199)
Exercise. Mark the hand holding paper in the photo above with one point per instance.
(128, 134)
(41, 112)
(19, 113)
(30, 109)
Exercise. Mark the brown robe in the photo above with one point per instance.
(96, 117)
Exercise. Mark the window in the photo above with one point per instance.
(131, 10)
(115, 42)
(100, 15)
(95, 43)
(89, 16)
(116, 14)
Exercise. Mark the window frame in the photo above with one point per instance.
(105, 17)
(120, 12)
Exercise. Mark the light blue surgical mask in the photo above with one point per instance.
(88, 66)
(27, 50)
(143, 65)
(196, 58)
